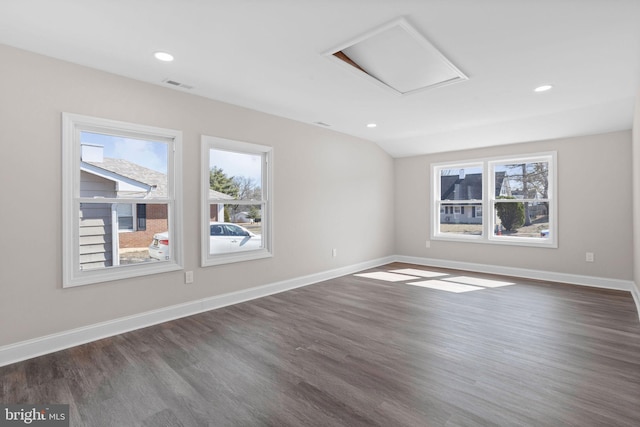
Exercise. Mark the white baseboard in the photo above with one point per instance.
(59, 341)
(635, 293)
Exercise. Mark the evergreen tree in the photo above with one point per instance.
(511, 214)
(219, 181)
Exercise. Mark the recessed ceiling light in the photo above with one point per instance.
(543, 88)
(372, 125)
(163, 56)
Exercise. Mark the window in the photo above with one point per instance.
(236, 193)
(125, 212)
(141, 215)
(114, 175)
(459, 186)
(518, 192)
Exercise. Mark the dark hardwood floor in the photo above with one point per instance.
(357, 351)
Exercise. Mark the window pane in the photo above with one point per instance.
(456, 184)
(461, 184)
(101, 243)
(119, 190)
(236, 211)
(114, 166)
(523, 181)
(118, 167)
(528, 182)
(511, 219)
(461, 218)
(241, 229)
(238, 175)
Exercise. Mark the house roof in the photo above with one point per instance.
(152, 178)
(156, 180)
(468, 188)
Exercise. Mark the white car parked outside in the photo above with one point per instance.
(224, 237)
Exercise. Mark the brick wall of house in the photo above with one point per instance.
(213, 213)
(156, 223)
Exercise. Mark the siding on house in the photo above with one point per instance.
(96, 243)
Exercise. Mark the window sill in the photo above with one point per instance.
(88, 277)
(532, 242)
(212, 260)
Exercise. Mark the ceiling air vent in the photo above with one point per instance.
(176, 84)
(396, 56)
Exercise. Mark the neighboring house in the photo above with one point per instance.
(466, 187)
(108, 229)
(535, 209)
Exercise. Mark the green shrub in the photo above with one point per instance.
(511, 214)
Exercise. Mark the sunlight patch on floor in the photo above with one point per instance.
(485, 283)
(457, 284)
(419, 273)
(446, 286)
(389, 277)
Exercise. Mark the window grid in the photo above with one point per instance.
(537, 181)
(250, 209)
(84, 169)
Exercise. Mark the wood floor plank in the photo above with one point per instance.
(357, 351)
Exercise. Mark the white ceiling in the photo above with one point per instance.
(268, 55)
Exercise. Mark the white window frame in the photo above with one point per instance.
(552, 240)
(489, 199)
(72, 126)
(436, 203)
(211, 142)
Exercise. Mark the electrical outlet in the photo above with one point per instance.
(334, 252)
(590, 257)
(188, 277)
(427, 244)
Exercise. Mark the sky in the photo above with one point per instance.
(153, 155)
(150, 154)
(237, 164)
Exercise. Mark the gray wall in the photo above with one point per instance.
(331, 191)
(595, 209)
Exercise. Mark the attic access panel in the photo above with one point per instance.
(398, 57)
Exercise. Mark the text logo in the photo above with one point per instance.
(34, 415)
